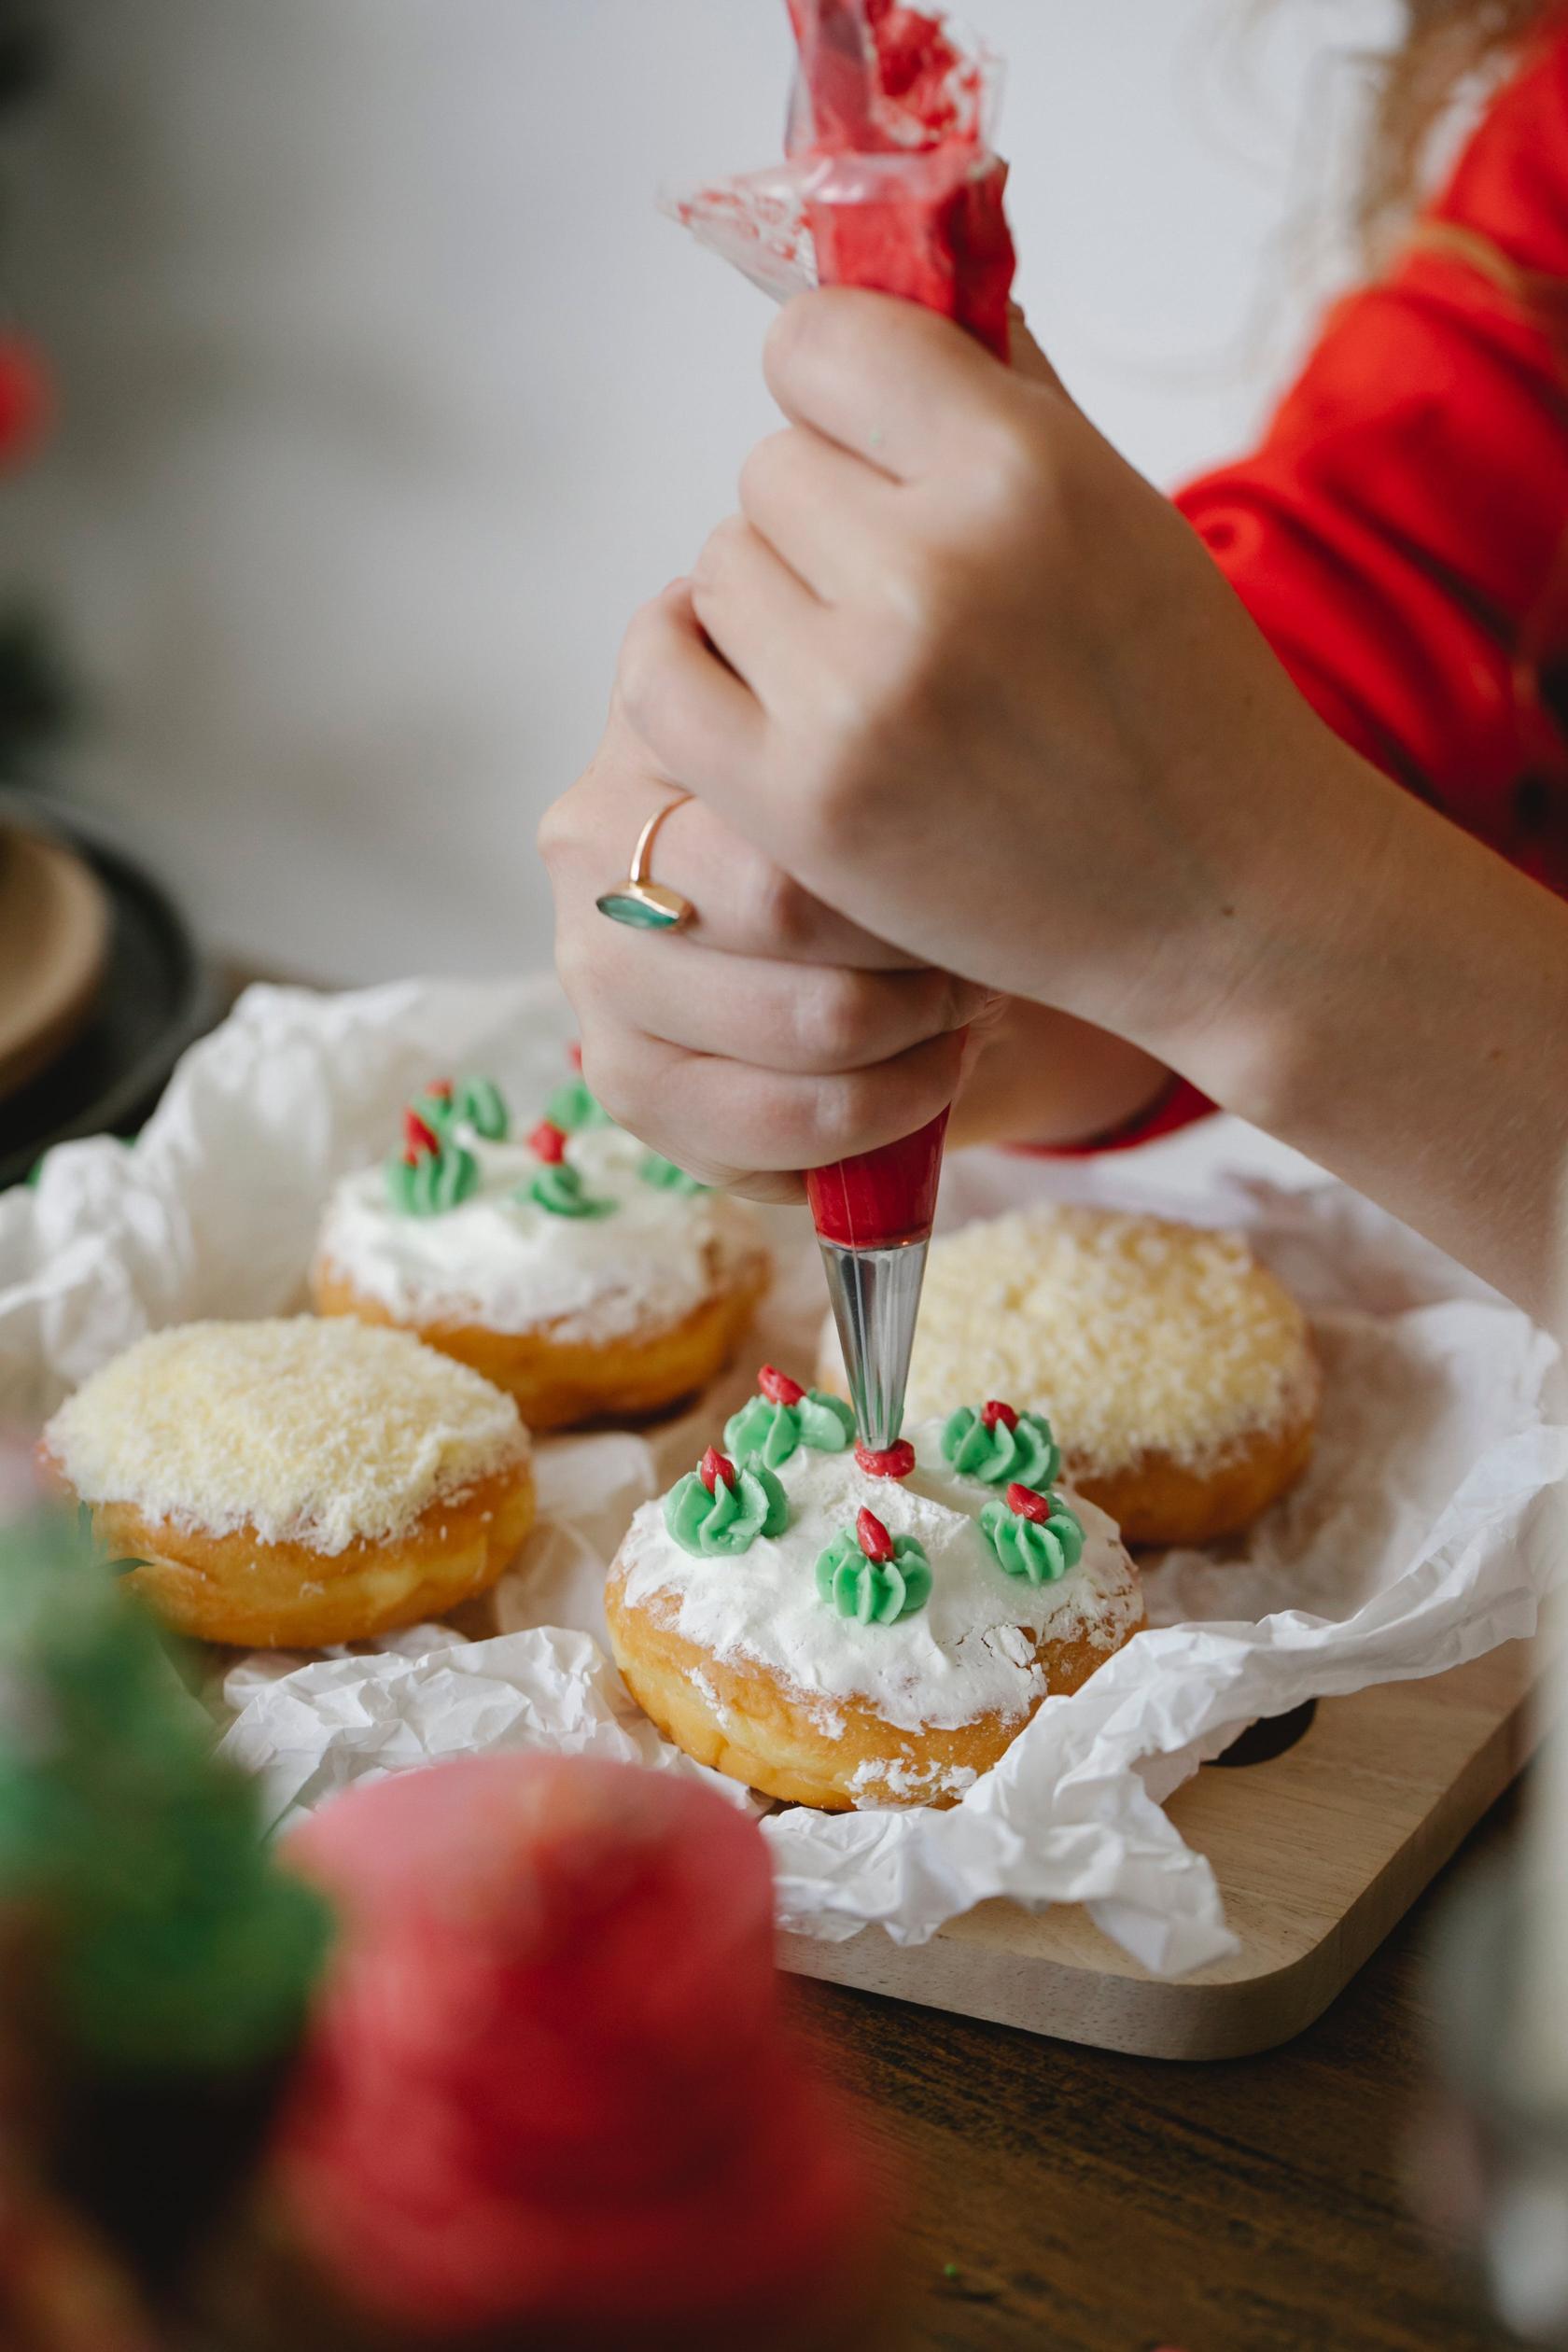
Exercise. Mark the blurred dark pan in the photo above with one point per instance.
(150, 996)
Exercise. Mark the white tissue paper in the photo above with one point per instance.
(1408, 1548)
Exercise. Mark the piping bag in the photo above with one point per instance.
(890, 184)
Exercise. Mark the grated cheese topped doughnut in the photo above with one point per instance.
(1177, 1371)
(320, 1434)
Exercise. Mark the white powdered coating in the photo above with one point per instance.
(311, 1431)
(1134, 1336)
(968, 1653)
(506, 1264)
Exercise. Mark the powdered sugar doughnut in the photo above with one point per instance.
(575, 1268)
(839, 1639)
(295, 1483)
(1177, 1371)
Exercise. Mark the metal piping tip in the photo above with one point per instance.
(875, 1296)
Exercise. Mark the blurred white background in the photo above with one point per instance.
(387, 395)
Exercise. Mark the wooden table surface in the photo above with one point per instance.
(1090, 2202)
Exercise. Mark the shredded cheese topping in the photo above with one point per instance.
(313, 1432)
(1133, 1335)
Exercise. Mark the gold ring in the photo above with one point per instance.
(643, 905)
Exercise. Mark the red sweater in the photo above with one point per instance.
(1401, 533)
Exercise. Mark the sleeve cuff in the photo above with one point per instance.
(1177, 1106)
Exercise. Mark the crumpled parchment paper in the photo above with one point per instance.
(1410, 1548)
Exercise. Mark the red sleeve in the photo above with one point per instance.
(1401, 533)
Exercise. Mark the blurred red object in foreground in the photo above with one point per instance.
(549, 2085)
(26, 401)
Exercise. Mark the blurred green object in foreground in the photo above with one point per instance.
(170, 1943)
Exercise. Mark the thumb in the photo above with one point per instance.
(1029, 360)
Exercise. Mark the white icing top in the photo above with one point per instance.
(1131, 1334)
(311, 1431)
(968, 1653)
(507, 1264)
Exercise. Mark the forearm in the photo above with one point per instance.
(1392, 998)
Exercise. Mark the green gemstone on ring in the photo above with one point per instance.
(635, 913)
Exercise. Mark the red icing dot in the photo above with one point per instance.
(419, 1141)
(875, 1540)
(550, 1142)
(777, 1387)
(574, 1054)
(1026, 1503)
(896, 1463)
(441, 1088)
(714, 1466)
(995, 1410)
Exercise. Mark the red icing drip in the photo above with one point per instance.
(995, 1410)
(548, 1142)
(777, 1387)
(714, 1466)
(874, 1538)
(419, 1141)
(574, 1054)
(897, 1462)
(1025, 1503)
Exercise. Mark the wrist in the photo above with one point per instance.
(1295, 880)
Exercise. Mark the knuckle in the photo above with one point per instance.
(556, 833)
(834, 1020)
(776, 912)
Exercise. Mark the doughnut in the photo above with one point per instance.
(578, 1271)
(838, 1637)
(1178, 1371)
(295, 1483)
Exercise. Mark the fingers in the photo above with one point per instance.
(805, 1020)
(746, 905)
(902, 389)
(700, 722)
(726, 1120)
(829, 516)
(758, 613)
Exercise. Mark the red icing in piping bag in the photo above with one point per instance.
(903, 197)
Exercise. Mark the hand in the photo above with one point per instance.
(976, 685)
(772, 1036)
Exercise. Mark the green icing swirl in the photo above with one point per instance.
(573, 1109)
(727, 1522)
(475, 1102)
(765, 1432)
(1025, 1456)
(664, 1176)
(873, 1592)
(1024, 1547)
(559, 1190)
(482, 1103)
(433, 1184)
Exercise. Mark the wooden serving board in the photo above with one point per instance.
(1318, 1853)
